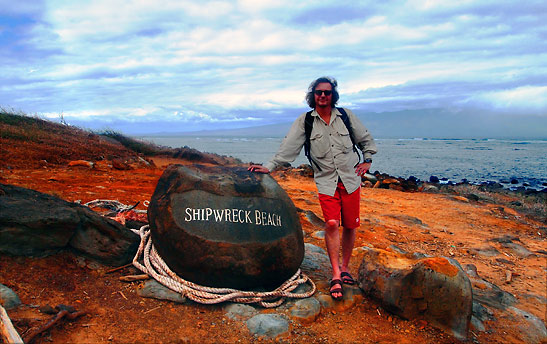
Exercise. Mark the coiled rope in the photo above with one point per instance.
(153, 265)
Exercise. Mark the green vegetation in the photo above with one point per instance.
(13, 118)
(18, 126)
(138, 146)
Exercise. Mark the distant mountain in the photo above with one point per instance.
(443, 123)
(423, 123)
(272, 130)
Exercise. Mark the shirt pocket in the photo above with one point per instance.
(319, 145)
(344, 139)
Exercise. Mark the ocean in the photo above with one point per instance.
(477, 160)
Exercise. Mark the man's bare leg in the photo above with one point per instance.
(332, 241)
(348, 241)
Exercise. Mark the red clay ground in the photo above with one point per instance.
(117, 314)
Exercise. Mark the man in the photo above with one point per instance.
(337, 170)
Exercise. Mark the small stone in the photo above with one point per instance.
(69, 309)
(306, 310)
(472, 197)
(8, 298)
(326, 301)
(155, 290)
(319, 235)
(370, 178)
(47, 309)
(238, 311)
(269, 325)
(352, 295)
(461, 199)
(83, 163)
(477, 324)
(519, 250)
(487, 251)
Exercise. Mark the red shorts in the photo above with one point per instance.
(342, 205)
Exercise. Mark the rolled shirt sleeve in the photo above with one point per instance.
(290, 146)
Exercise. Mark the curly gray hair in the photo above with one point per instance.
(310, 98)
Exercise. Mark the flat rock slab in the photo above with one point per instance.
(532, 329)
(225, 227)
(268, 325)
(487, 251)
(155, 290)
(519, 250)
(238, 311)
(487, 293)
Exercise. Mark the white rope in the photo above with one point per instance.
(158, 269)
(114, 205)
(155, 267)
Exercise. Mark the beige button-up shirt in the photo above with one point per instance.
(330, 147)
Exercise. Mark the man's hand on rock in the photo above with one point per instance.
(258, 168)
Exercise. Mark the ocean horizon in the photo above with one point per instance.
(512, 162)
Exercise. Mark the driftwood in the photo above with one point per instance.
(64, 313)
(118, 268)
(9, 334)
(132, 278)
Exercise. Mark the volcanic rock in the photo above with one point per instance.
(306, 310)
(8, 298)
(238, 311)
(36, 224)
(268, 325)
(153, 289)
(225, 227)
(433, 288)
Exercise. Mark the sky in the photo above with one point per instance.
(164, 66)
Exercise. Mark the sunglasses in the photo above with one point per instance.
(319, 92)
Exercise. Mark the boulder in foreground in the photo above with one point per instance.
(225, 227)
(432, 288)
(37, 224)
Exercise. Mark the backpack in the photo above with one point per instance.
(308, 126)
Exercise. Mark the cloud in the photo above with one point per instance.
(524, 99)
(250, 62)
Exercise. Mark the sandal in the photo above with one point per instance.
(339, 289)
(347, 279)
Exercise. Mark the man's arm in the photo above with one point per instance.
(289, 149)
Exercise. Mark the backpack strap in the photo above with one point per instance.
(308, 126)
(345, 119)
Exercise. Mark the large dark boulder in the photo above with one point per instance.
(37, 224)
(225, 227)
